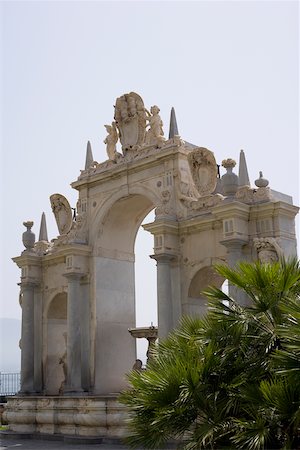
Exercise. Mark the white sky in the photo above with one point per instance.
(230, 69)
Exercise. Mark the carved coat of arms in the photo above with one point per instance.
(204, 170)
(130, 117)
(62, 212)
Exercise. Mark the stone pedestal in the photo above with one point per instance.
(149, 333)
(69, 416)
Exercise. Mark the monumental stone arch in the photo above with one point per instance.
(78, 290)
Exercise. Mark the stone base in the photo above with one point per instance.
(95, 416)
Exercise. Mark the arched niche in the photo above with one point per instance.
(196, 302)
(56, 323)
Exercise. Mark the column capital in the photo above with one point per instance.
(29, 284)
(164, 258)
(234, 243)
(74, 275)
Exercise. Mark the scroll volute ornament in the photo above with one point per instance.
(204, 170)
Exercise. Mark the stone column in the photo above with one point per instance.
(85, 334)
(73, 384)
(164, 294)
(38, 341)
(27, 338)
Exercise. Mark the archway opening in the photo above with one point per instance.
(145, 284)
(115, 289)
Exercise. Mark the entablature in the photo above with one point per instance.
(134, 161)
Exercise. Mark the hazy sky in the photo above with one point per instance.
(230, 69)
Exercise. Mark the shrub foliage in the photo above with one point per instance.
(230, 379)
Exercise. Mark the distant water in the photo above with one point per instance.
(10, 353)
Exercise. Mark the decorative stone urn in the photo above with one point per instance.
(28, 237)
(230, 181)
(261, 181)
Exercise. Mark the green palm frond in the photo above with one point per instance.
(252, 435)
(230, 378)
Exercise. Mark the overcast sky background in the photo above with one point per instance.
(230, 69)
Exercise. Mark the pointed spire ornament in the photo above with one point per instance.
(243, 171)
(173, 131)
(89, 156)
(43, 236)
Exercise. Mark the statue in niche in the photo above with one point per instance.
(268, 250)
(130, 117)
(62, 212)
(111, 141)
(155, 133)
(63, 362)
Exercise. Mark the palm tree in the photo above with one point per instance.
(229, 379)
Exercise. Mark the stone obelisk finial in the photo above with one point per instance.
(173, 131)
(243, 171)
(43, 236)
(89, 156)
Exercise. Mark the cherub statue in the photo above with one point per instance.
(155, 133)
(111, 141)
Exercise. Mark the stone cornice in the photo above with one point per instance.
(231, 210)
(30, 259)
(27, 259)
(197, 223)
(273, 209)
(71, 249)
(162, 227)
(156, 157)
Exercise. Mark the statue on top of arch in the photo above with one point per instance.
(130, 117)
(135, 124)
